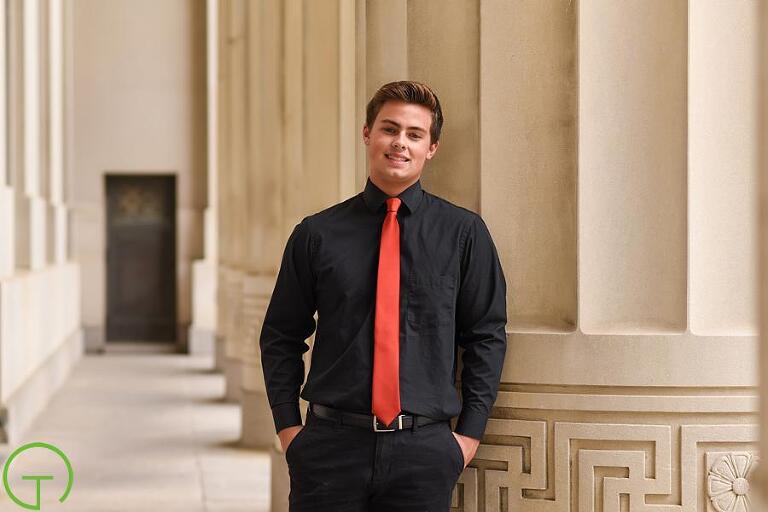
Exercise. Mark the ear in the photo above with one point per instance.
(366, 134)
(432, 150)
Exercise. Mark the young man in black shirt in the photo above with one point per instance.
(399, 278)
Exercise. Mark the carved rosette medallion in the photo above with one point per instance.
(728, 481)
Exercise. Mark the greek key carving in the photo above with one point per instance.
(581, 475)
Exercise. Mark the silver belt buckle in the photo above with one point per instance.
(399, 424)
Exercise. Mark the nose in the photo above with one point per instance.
(398, 142)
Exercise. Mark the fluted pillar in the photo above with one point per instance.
(235, 194)
(264, 186)
(630, 378)
(318, 118)
(293, 195)
(223, 175)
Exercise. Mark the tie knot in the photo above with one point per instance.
(393, 204)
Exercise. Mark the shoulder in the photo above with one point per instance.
(316, 221)
(453, 210)
(473, 230)
(469, 220)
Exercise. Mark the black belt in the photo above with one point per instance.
(369, 421)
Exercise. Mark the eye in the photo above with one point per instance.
(415, 136)
(389, 130)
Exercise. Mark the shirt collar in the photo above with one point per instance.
(374, 197)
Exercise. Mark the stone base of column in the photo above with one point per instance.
(94, 339)
(280, 481)
(182, 338)
(26, 404)
(201, 340)
(219, 354)
(7, 230)
(258, 427)
(233, 378)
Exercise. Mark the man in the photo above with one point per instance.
(399, 279)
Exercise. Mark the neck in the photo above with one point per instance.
(391, 189)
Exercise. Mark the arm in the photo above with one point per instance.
(289, 321)
(481, 317)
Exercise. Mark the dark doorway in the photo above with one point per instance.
(141, 258)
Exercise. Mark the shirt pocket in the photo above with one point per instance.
(431, 300)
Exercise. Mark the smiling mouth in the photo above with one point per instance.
(397, 158)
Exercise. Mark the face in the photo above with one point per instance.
(398, 143)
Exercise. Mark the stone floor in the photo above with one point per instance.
(144, 432)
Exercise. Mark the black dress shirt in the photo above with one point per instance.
(452, 293)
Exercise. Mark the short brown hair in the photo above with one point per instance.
(409, 92)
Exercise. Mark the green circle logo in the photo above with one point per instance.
(37, 478)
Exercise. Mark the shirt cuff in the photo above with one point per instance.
(286, 415)
(471, 424)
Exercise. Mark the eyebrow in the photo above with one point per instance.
(417, 128)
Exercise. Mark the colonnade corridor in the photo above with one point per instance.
(143, 431)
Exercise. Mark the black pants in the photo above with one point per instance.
(343, 468)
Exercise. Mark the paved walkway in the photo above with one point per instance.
(144, 432)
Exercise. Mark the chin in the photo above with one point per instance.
(399, 174)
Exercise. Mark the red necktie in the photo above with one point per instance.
(386, 330)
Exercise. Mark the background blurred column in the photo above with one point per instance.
(58, 212)
(202, 331)
(235, 196)
(224, 174)
(30, 206)
(320, 140)
(292, 196)
(7, 240)
(264, 208)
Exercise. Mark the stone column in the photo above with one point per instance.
(236, 196)
(453, 173)
(30, 205)
(265, 187)
(293, 40)
(386, 43)
(58, 214)
(223, 176)
(630, 379)
(7, 262)
(320, 140)
(202, 331)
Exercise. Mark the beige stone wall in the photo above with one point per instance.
(610, 147)
(138, 107)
